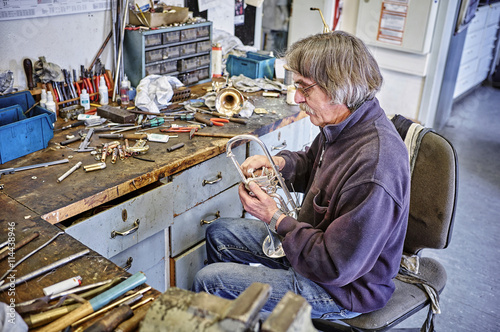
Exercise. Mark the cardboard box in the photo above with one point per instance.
(159, 19)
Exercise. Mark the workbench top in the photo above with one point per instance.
(38, 189)
(34, 200)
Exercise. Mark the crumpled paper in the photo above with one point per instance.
(47, 71)
(154, 92)
(6, 82)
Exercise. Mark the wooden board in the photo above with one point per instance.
(91, 267)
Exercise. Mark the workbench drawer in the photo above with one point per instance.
(189, 228)
(289, 138)
(141, 216)
(184, 268)
(149, 256)
(200, 182)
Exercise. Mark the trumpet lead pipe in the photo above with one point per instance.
(94, 167)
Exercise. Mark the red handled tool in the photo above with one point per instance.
(219, 121)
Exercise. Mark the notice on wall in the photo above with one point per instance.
(19, 9)
(392, 21)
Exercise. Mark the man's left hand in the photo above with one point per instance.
(261, 206)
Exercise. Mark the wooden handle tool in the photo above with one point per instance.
(131, 324)
(28, 69)
(202, 119)
(96, 303)
(21, 243)
(111, 320)
(219, 135)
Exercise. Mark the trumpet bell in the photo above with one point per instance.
(229, 101)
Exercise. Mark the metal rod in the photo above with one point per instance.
(28, 256)
(117, 70)
(71, 170)
(24, 168)
(47, 268)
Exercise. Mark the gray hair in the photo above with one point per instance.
(340, 63)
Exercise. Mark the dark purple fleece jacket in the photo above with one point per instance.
(349, 234)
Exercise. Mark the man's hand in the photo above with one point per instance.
(261, 206)
(256, 162)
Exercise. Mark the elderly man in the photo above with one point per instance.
(344, 248)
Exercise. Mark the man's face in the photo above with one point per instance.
(315, 102)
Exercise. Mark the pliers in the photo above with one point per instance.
(219, 121)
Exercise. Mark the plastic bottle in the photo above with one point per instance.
(50, 104)
(217, 60)
(84, 100)
(124, 88)
(43, 98)
(103, 92)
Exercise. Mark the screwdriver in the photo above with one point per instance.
(153, 123)
(75, 124)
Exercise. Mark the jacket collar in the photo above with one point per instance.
(366, 113)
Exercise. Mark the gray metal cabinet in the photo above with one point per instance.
(137, 229)
(204, 193)
(183, 51)
(480, 49)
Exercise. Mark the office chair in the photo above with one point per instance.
(432, 209)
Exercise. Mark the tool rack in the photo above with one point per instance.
(183, 52)
(80, 83)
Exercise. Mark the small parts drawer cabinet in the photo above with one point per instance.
(183, 52)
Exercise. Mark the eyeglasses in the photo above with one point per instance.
(303, 91)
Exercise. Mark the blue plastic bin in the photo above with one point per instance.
(22, 134)
(254, 65)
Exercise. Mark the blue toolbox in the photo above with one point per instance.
(254, 65)
(23, 132)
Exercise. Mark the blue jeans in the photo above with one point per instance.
(232, 245)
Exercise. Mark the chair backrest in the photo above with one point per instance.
(433, 192)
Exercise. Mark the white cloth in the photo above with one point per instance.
(155, 92)
(10, 320)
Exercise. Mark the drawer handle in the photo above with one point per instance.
(127, 232)
(128, 264)
(208, 222)
(280, 147)
(213, 181)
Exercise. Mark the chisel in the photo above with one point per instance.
(96, 303)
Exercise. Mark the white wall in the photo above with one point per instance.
(305, 22)
(68, 41)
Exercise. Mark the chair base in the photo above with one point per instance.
(406, 301)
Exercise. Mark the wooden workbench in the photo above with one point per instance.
(38, 190)
(92, 267)
(35, 201)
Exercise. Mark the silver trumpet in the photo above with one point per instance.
(270, 181)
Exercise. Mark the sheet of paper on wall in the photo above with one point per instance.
(177, 3)
(207, 4)
(222, 15)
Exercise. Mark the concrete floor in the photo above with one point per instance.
(471, 299)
